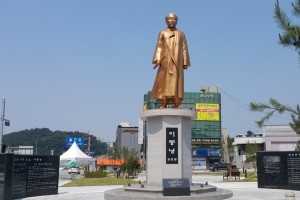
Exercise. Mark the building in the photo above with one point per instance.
(273, 138)
(21, 150)
(280, 138)
(206, 129)
(127, 136)
(239, 144)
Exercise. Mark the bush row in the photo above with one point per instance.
(96, 174)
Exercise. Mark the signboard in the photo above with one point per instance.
(171, 145)
(278, 170)
(214, 152)
(141, 131)
(7, 123)
(199, 163)
(208, 141)
(78, 139)
(207, 112)
(201, 152)
(176, 187)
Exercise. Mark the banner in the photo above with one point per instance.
(141, 132)
(208, 112)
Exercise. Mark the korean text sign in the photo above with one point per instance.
(171, 145)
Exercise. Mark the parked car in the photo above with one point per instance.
(223, 166)
(213, 165)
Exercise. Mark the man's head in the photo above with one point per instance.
(171, 20)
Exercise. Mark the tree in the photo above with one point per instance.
(291, 33)
(130, 160)
(273, 107)
(251, 149)
(227, 148)
(289, 38)
(297, 146)
(249, 134)
(113, 152)
(48, 140)
(97, 146)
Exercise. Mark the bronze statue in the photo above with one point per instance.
(172, 57)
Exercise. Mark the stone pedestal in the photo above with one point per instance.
(158, 166)
(164, 128)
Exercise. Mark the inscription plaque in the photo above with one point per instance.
(6, 165)
(176, 187)
(293, 168)
(278, 170)
(35, 176)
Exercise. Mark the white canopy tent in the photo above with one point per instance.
(74, 153)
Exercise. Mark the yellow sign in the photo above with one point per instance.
(208, 112)
(145, 107)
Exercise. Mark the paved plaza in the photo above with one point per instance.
(241, 190)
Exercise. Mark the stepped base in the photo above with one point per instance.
(136, 192)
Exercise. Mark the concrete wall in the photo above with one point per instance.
(280, 138)
(245, 140)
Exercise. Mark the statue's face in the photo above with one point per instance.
(171, 21)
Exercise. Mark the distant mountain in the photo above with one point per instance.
(48, 140)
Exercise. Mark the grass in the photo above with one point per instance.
(251, 176)
(110, 180)
(211, 174)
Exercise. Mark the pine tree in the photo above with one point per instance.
(289, 38)
(273, 107)
(291, 33)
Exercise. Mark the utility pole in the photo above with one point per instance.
(35, 147)
(89, 144)
(2, 123)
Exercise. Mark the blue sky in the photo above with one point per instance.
(85, 65)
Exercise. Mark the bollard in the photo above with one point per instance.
(245, 173)
(290, 196)
(243, 170)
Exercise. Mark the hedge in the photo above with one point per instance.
(96, 174)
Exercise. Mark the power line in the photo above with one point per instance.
(230, 126)
(232, 98)
(238, 117)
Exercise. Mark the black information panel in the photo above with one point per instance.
(6, 166)
(176, 187)
(279, 170)
(171, 145)
(2, 171)
(35, 176)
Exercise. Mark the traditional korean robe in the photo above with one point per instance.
(172, 50)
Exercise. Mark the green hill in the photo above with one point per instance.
(48, 140)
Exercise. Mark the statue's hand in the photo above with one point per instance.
(185, 67)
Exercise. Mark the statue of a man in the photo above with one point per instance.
(172, 57)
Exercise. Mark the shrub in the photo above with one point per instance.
(96, 174)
